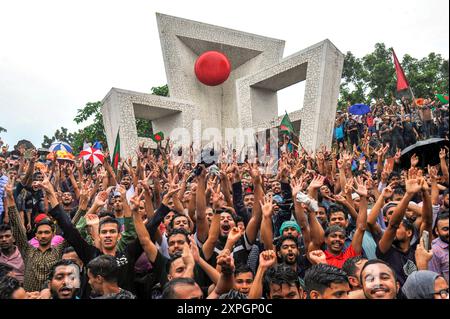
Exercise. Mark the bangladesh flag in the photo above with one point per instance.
(443, 98)
(116, 155)
(158, 137)
(286, 126)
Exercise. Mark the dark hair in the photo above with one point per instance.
(441, 216)
(399, 191)
(242, 269)
(176, 215)
(106, 214)
(334, 208)
(169, 288)
(320, 277)
(8, 285)
(43, 222)
(109, 220)
(174, 257)
(233, 294)
(68, 250)
(177, 231)
(105, 266)
(5, 269)
(5, 228)
(350, 265)
(333, 229)
(238, 219)
(282, 239)
(35, 175)
(279, 275)
(409, 225)
(376, 261)
(62, 262)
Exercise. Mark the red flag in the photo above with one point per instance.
(402, 82)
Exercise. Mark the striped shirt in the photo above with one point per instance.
(37, 263)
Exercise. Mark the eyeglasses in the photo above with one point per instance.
(443, 293)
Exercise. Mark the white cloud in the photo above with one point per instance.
(57, 55)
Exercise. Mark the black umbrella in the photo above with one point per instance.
(427, 151)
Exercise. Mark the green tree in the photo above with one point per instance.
(373, 76)
(62, 135)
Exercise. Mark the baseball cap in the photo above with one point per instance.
(289, 223)
(39, 218)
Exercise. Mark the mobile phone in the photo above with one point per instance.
(426, 240)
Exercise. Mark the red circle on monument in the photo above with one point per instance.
(212, 68)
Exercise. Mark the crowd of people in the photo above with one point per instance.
(324, 225)
(398, 125)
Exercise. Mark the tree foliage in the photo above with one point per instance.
(95, 131)
(373, 76)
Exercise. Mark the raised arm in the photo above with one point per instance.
(18, 228)
(361, 221)
(255, 221)
(266, 224)
(214, 229)
(374, 228)
(412, 187)
(200, 212)
(444, 167)
(267, 259)
(300, 215)
(144, 238)
(226, 280)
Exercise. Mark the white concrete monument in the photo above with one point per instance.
(247, 99)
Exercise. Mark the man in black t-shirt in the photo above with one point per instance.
(395, 245)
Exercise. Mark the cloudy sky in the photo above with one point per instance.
(57, 55)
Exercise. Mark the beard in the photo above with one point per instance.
(288, 262)
(444, 239)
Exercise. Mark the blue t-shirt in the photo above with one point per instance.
(339, 132)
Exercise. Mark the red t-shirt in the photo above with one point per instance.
(339, 260)
(370, 121)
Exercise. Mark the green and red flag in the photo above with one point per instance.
(286, 126)
(158, 137)
(116, 155)
(443, 98)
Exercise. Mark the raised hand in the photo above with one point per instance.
(387, 192)
(267, 206)
(92, 220)
(194, 249)
(170, 193)
(412, 183)
(317, 182)
(317, 257)
(188, 258)
(267, 259)
(234, 235)
(101, 199)
(361, 188)
(216, 197)
(225, 261)
(433, 172)
(296, 185)
(442, 153)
